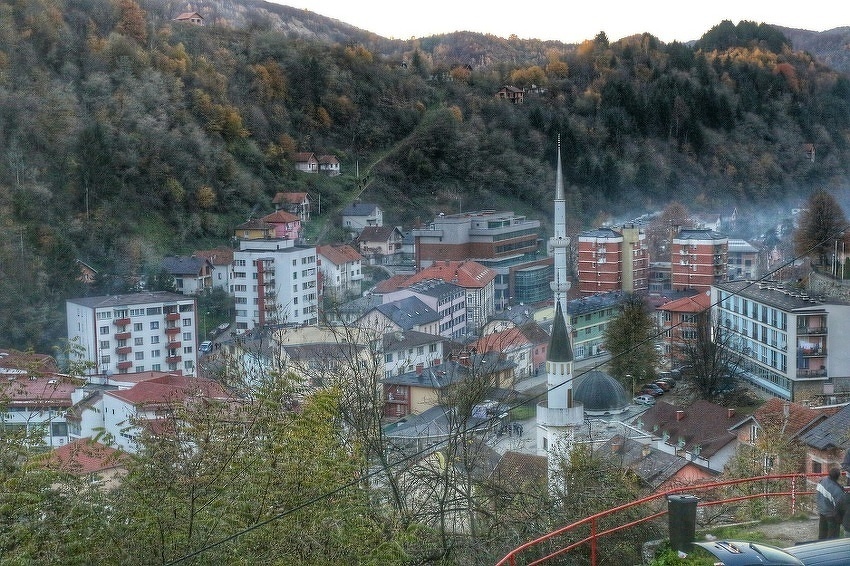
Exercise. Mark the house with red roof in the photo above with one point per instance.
(221, 259)
(524, 345)
(340, 267)
(193, 18)
(780, 417)
(86, 458)
(307, 162)
(379, 244)
(36, 402)
(297, 203)
(478, 281)
(699, 432)
(678, 320)
(284, 225)
(151, 403)
(329, 165)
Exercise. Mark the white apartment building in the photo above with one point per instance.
(274, 282)
(793, 344)
(155, 331)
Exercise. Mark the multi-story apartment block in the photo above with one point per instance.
(589, 317)
(477, 281)
(340, 268)
(274, 282)
(135, 332)
(447, 299)
(404, 352)
(503, 241)
(678, 320)
(660, 277)
(699, 259)
(613, 260)
(743, 260)
(792, 344)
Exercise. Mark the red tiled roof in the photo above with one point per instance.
(326, 159)
(394, 283)
(339, 255)
(466, 274)
(281, 217)
(502, 340)
(15, 359)
(84, 456)
(696, 303)
(702, 424)
(800, 418)
(376, 234)
(304, 156)
(170, 389)
(218, 256)
(52, 390)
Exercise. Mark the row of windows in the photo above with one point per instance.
(754, 310)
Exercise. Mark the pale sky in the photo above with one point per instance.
(573, 21)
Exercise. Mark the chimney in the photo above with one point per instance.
(680, 415)
(419, 368)
(616, 444)
(730, 413)
(645, 450)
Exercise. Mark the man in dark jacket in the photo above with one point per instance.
(830, 501)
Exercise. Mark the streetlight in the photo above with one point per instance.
(628, 375)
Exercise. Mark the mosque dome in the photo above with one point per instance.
(600, 394)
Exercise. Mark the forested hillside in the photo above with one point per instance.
(125, 136)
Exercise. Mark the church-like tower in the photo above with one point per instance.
(559, 415)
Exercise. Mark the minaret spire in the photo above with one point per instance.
(559, 242)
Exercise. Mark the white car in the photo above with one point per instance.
(206, 346)
(644, 400)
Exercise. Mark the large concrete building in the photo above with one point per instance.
(612, 259)
(699, 259)
(793, 344)
(274, 282)
(136, 332)
(505, 242)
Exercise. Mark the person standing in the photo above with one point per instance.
(830, 501)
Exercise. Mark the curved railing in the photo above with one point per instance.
(789, 486)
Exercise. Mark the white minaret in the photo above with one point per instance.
(558, 416)
(559, 242)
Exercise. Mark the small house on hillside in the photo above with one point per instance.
(359, 215)
(294, 203)
(191, 274)
(286, 225)
(379, 243)
(329, 165)
(511, 93)
(193, 18)
(307, 162)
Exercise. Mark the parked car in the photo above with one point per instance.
(652, 389)
(206, 346)
(644, 400)
(832, 552)
(662, 384)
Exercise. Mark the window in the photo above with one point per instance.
(154, 339)
(187, 322)
(140, 355)
(104, 330)
(104, 360)
(137, 327)
(138, 341)
(187, 349)
(388, 357)
(187, 336)
(154, 325)
(155, 354)
(156, 367)
(104, 344)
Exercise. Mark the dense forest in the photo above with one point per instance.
(126, 136)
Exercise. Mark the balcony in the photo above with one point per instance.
(816, 352)
(810, 331)
(125, 365)
(172, 316)
(172, 330)
(805, 373)
(174, 345)
(397, 398)
(173, 359)
(123, 350)
(122, 335)
(546, 416)
(121, 321)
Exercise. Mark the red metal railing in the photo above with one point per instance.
(797, 486)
